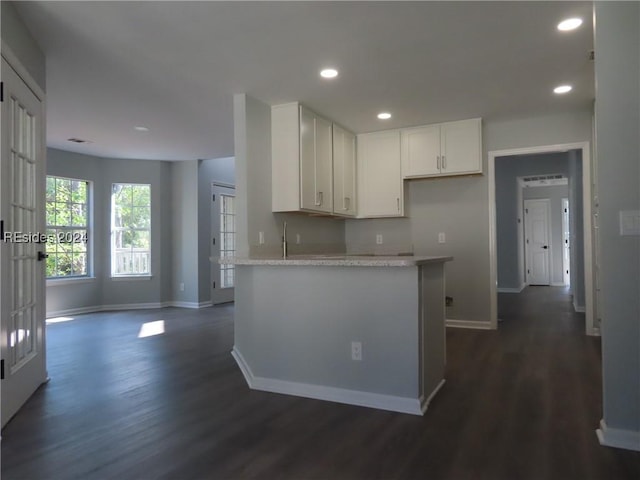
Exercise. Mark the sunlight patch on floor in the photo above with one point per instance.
(150, 329)
(59, 319)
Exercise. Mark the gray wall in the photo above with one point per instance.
(102, 290)
(252, 120)
(459, 207)
(617, 43)
(509, 224)
(184, 216)
(22, 44)
(221, 170)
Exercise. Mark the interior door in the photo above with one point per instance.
(566, 244)
(22, 324)
(223, 242)
(536, 214)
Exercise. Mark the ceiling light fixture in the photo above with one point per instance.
(562, 89)
(569, 24)
(141, 129)
(329, 73)
(384, 116)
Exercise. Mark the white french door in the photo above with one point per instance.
(223, 242)
(22, 179)
(536, 231)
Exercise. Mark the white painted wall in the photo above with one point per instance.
(617, 113)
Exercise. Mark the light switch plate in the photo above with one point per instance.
(442, 238)
(630, 222)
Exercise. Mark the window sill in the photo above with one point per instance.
(126, 278)
(56, 282)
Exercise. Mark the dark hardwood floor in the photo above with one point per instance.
(519, 403)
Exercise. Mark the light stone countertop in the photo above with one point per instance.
(336, 260)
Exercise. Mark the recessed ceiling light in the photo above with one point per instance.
(329, 73)
(141, 129)
(569, 24)
(384, 116)
(562, 89)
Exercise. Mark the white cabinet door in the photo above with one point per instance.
(308, 197)
(301, 160)
(324, 166)
(461, 147)
(380, 192)
(421, 151)
(344, 172)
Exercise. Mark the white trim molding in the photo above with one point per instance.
(125, 306)
(481, 325)
(614, 437)
(512, 290)
(413, 406)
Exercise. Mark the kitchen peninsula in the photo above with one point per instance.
(361, 330)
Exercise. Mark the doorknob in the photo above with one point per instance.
(545, 247)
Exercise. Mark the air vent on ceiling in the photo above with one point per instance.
(78, 140)
(545, 180)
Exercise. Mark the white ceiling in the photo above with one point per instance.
(174, 66)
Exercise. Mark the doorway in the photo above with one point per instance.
(223, 241)
(22, 344)
(584, 259)
(536, 245)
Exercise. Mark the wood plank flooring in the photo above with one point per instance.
(519, 403)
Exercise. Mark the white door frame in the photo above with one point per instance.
(40, 290)
(566, 243)
(218, 295)
(587, 225)
(528, 234)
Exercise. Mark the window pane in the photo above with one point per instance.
(131, 229)
(67, 206)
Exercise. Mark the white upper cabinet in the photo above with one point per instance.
(301, 160)
(344, 172)
(453, 148)
(380, 188)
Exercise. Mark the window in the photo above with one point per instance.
(130, 229)
(67, 205)
(227, 238)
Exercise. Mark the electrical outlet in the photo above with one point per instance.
(379, 239)
(356, 351)
(261, 238)
(442, 238)
(298, 239)
(182, 287)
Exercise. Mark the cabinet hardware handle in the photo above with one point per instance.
(318, 202)
(398, 201)
(444, 162)
(438, 162)
(321, 199)
(346, 203)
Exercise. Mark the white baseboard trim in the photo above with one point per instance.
(73, 311)
(468, 324)
(187, 304)
(578, 308)
(425, 403)
(512, 290)
(125, 306)
(413, 406)
(558, 284)
(613, 437)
